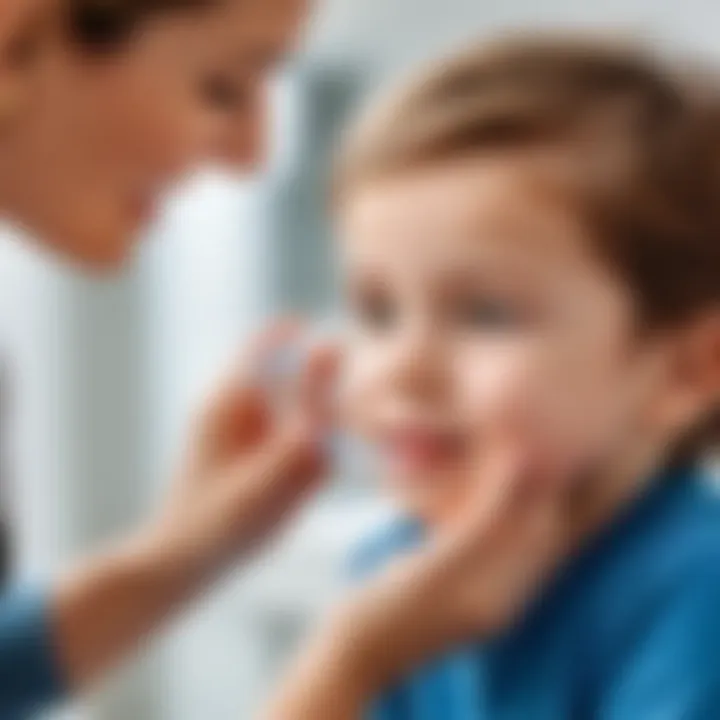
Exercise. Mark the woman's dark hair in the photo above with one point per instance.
(103, 25)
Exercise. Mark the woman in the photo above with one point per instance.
(103, 106)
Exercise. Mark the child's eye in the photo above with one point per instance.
(375, 312)
(488, 314)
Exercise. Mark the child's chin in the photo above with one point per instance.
(433, 505)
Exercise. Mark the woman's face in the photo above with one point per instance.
(98, 139)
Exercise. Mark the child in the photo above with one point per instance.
(531, 238)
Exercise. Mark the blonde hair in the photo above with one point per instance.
(656, 218)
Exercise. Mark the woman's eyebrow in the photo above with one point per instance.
(264, 59)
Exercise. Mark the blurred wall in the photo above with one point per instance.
(392, 34)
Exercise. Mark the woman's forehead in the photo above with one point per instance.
(16, 16)
(263, 32)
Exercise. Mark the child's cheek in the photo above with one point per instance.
(516, 393)
(495, 390)
(360, 390)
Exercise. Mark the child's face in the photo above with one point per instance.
(478, 304)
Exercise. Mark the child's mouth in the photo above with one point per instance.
(413, 450)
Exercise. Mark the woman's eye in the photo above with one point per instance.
(223, 93)
(487, 314)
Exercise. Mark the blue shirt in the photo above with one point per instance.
(630, 630)
(30, 676)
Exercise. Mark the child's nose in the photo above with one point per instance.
(417, 365)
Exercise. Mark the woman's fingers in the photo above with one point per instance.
(498, 480)
(273, 481)
(291, 461)
(508, 540)
(237, 414)
(315, 384)
(247, 466)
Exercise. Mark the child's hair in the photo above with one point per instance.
(645, 138)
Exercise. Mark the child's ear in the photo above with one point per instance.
(694, 373)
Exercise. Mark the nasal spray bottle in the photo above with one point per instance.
(346, 454)
(282, 369)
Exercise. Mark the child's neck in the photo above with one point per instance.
(599, 496)
(608, 490)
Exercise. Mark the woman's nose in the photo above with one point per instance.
(233, 138)
(242, 143)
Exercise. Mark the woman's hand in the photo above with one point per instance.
(248, 464)
(471, 583)
(245, 469)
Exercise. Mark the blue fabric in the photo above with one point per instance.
(29, 674)
(630, 630)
